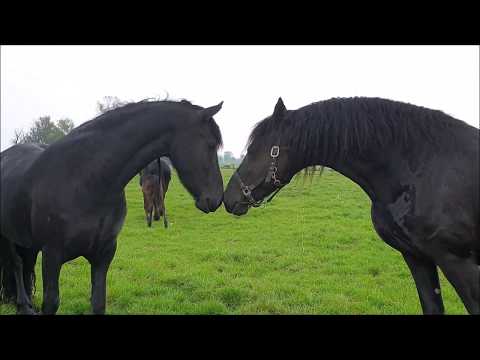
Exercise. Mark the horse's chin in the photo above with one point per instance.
(202, 206)
(239, 209)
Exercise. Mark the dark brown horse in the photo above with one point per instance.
(68, 200)
(420, 168)
(154, 181)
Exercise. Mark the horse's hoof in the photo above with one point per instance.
(26, 310)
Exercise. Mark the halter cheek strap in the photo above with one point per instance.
(270, 177)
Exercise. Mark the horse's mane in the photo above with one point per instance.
(341, 127)
(126, 111)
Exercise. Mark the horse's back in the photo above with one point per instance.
(15, 204)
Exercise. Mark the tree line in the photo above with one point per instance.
(46, 131)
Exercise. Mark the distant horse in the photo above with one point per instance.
(420, 168)
(68, 200)
(154, 180)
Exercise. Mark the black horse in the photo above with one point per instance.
(420, 168)
(154, 181)
(68, 200)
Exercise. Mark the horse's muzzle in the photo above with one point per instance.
(208, 204)
(236, 208)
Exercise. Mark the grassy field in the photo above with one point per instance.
(312, 250)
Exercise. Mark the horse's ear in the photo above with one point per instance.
(280, 108)
(212, 110)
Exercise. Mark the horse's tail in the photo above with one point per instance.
(163, 190)
(8, 288)
(160, 178)
(140, 176)
(160, 170)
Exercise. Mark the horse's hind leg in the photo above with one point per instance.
(100, 263)
(165, 220)
(149, 218)
(51, 265)
(425, 275)
(24, 304)
(464, 275)
(14, 266)
(157, 211)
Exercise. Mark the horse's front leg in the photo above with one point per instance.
(100, 263)
(30, 259)
(52, 261)
(425, 275)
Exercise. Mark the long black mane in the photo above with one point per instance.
(128, 111)
(344, 126)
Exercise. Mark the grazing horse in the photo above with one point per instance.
(420, 168)
(154, 180)
(68, 199)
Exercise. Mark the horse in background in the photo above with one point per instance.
(154, 180)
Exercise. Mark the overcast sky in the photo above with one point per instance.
(67, 81)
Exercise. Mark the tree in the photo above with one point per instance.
(65, 125)
(109, 103)
(44, 131)
(18, 136)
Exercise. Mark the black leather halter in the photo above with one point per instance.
(271, 177)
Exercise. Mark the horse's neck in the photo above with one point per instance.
(125, 150)
(374, 174)
(145, 154)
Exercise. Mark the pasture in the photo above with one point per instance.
(312, 250)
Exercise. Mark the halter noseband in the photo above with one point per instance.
(271, 177)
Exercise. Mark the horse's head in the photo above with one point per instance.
(194, 156)
(264, 170)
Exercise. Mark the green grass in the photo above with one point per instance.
(312, 250)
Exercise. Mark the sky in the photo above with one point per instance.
(67, 81)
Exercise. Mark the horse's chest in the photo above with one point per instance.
(79, 232)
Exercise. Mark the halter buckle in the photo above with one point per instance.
(274, 151)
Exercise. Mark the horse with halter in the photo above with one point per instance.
(419, 167)
(68, 200)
